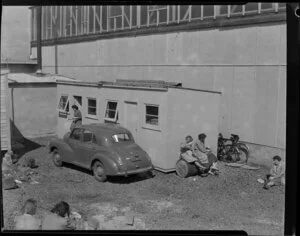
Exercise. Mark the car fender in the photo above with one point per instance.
(111, 167)
(64, 148)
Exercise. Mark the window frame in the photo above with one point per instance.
(87, 108)
(67, 101)
(148, 125)
(116, 114)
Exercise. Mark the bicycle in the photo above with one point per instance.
(233, 152)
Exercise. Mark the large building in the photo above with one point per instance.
(239, 50)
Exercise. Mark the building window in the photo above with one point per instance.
(69, 21)
(152, 115)
(111, 112)
(92, 106)
(63, 104)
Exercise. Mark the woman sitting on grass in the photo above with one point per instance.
(58, 219)
(27, 221)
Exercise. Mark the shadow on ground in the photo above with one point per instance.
(112, 179)
(19, 144)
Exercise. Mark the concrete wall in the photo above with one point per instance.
(246, 63)
(15, 33)
(33, 109)
(4, 115)
(190, 113)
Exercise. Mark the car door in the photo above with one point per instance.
(87, 149)
(74, 142)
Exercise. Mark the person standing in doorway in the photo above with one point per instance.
(77, 117)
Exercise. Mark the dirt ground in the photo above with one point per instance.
(231, 201)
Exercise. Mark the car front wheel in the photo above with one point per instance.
(57, 160)
(99, 171)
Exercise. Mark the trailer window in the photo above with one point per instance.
(111, 111)
(152, 114)
(92, 106)
(63, 104)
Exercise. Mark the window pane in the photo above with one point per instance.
(143, 15)
(152, 110)
(91, 19)
(67, 107)
(152, 115)
(68, 19)
(236, 9)
(92, 106)
(121, 138)
(134, 16)
(91, 111)
(115, 10)
(266, 5)
(91, 102)
(111, 110)
(62, 102)
(208, 11)
(223, 9)
(79, 19)
(183, 11)
(73, 19)
(196, 11)
(48, 15)
(282, 5)
(251, 7)
(87, 136)
(78, 99)
(163, 16)
(76, 134)
(104, 17)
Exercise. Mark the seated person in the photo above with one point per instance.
(187, 153)
(27, 221)
(58, 219)
(77, 117)
(277, 174)
(205, 156)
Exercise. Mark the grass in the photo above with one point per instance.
(233, 200)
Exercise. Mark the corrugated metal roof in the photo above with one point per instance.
(34, 78)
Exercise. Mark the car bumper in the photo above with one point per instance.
(131, 172)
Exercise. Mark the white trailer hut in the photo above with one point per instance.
(159, 114)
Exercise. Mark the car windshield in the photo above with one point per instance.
(117, 138)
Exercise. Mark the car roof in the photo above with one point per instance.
(105, 129)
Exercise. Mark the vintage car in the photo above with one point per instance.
(105, 149)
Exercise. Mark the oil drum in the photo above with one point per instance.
(185, 169)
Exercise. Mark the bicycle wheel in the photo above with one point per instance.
(231, 155)
(243, 154)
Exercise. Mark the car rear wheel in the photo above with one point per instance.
(99, 171)
(57, 160)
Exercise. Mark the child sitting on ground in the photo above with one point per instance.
(27, 221)
(276, 175)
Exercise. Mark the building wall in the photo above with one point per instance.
(246, 63)
(33, 109)
(5, 124)
(15, 33)
(183, 119)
